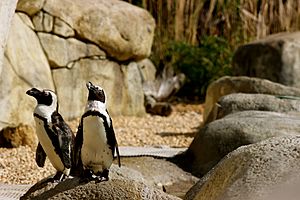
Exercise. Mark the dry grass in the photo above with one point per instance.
(239, 21)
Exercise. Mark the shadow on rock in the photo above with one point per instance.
(46, 188)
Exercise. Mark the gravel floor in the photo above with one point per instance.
(17, 166)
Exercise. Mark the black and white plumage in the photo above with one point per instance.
(95, 141)
(55, 136)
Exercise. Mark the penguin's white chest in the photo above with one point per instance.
(95, 152)
(47, 145)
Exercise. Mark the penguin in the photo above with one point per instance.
(95, 141)
(55, 136)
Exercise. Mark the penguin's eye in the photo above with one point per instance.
(46, 93)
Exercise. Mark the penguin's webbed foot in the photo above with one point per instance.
(86, 176)
(102, 176)
(105, 175)
(58, 177)
(98, 177)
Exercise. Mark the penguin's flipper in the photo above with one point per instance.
(40, 156)
(112, 141)
(65, 146)
(78, 145)
(65, 138)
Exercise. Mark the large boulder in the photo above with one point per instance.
(160, 173)
(263, 171)
(220, 137)
(138, 176)
(122, 30)
(241, 102)
(24, 66)
(227, 85)
(275, 58)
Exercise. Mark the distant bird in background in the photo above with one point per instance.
(55, 136)
(95, 141)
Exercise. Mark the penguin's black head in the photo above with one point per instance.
(45, 97)
(96, 93)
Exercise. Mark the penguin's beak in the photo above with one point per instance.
(33, 92)
(89, 85)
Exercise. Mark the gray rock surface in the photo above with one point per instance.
(263, 171)
(139, 178)
(241, 84)
(220, 137)
(241, 102)
(159, 172)
(275, 57)
(113, 189)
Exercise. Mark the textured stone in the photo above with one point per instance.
(113, 189)
(20, 135)
(28, 61)
(227, 85)
(72, 92)
(25, 66)
(133, 103)
(158, 173)
(268, 170)
(240, 102)
(147, 69)
(26, 20)
(62, 28)
(106, 23)
(16, 108)
(6, 13)
(37, 21)
(61, 52)
(275, 58)
(222, 136)
(30, 7)
(150, 172)
(43, 22)
(48, 22)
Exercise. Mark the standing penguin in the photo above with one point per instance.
(54, 135)
(95, 141)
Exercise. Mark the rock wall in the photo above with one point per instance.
(62, 44)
